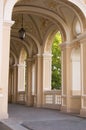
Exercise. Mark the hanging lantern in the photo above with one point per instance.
(22, 33)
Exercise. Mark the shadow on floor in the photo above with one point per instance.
(4, 127)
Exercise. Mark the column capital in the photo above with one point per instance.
(38, 55)
(65, 45)
(83, 41)
(30, 59)
(47, 55)
(82, 37)
(8, 23)
(20, 65)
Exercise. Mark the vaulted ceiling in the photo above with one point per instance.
(42, 18)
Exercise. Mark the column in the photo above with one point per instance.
(21, 77)
(83, 77)
(13, 78)
(70, 102)
(1, 41)
(65, 77)
(1, 32)
(15, 84)
(4, 69)
(29, 97)
(39, 80)
(10, 85)
(47, 67)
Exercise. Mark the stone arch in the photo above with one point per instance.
(51, 14)
(49, 39)
(10, 4)
(36, 41)
(8, 8)
(24, 44)
(15, 58)
(80, 5)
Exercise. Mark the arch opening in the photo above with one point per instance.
(42, 20)
(56, 61)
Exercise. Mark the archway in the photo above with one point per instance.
(43, 29)
(56, 61)
(43, 21)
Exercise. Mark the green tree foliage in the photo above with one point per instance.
(56, 62)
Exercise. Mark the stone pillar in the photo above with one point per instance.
(70, 103)
(83, 77)
(15, 83)
(47, 67)
(4, 69)
(65, 78)
(1, 32)
(39, 80)
(21, 77)
(29, 97)
(10, 85)
(13, 78)
(1, 41)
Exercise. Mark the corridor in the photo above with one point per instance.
(24, 118)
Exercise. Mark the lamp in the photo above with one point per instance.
(22, 31)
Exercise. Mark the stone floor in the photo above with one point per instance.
(4, 127)
(24, 118)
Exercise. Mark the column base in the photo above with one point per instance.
(70, 110)
(73, 105)
(30, 101)
(3, 116)
(83, 112)
(3, 106)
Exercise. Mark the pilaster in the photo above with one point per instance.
(29, 97)
(39, 80)
(70, 103)
(21, 77)
(83, 77)
(47, 67)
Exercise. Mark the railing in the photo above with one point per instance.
(52, 99)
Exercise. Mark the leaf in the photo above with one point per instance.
(56, 62)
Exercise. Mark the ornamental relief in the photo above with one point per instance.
(38, 25)
(44, 26)
(51, 4)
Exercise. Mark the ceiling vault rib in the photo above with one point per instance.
(32, 6)
(36, 27)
